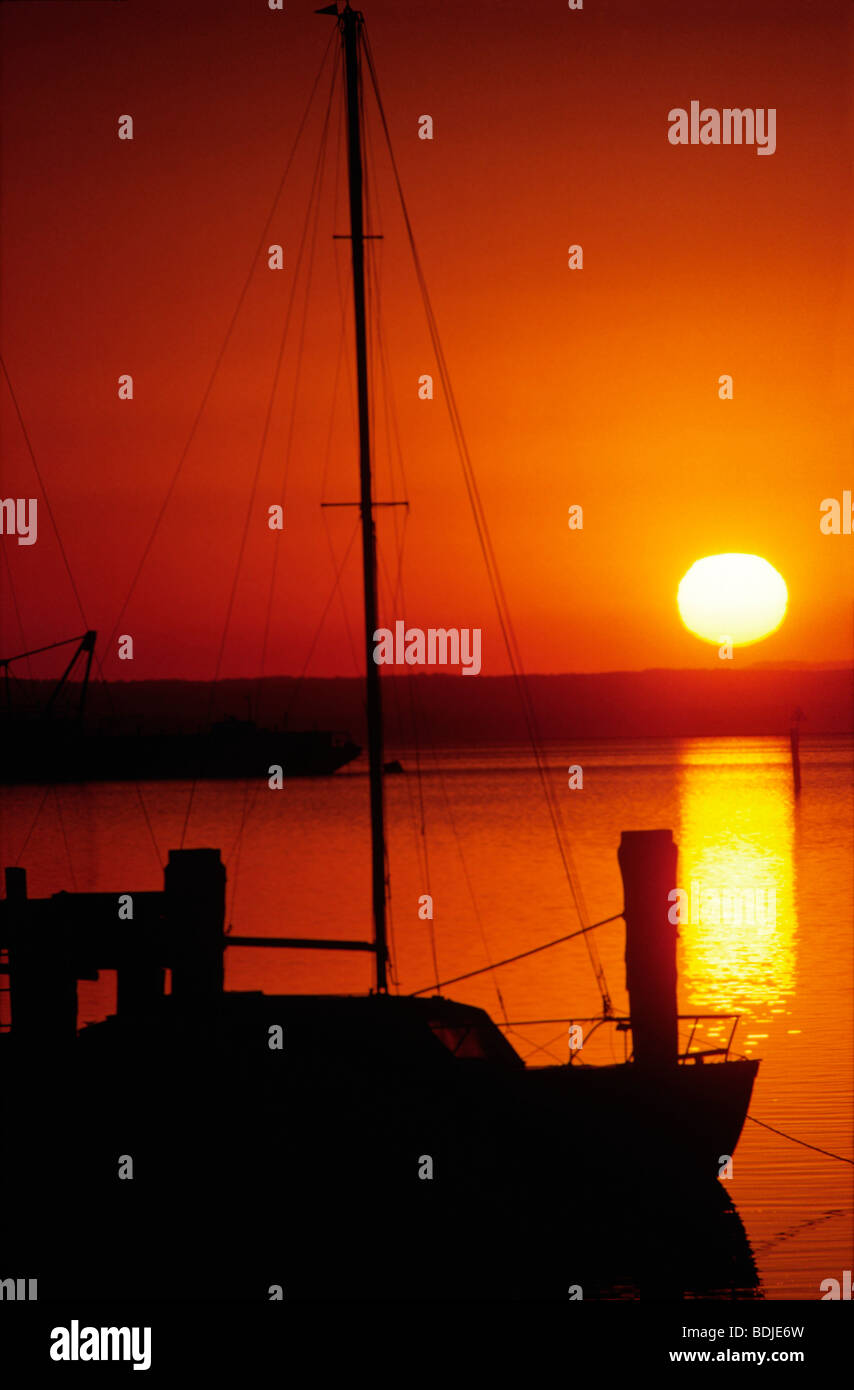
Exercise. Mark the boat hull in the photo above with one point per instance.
(276, 1158)
(393, 1073)
(46, 757)
(683, 1121)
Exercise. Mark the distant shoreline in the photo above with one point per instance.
(756, 700)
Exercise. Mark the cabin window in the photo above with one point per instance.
(474, 1040)
(463, 1040)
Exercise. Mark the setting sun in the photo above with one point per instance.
(740, 598)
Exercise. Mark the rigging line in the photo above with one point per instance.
(39, 810)
(336, 385)
(142, 806)
(337, 182)
(502, 609)
(316, 196)
(74, 588)
(485, 541)
(315, 187)
(350, 639)
(38, 473)
(375, 262)
(24, 643)
(344, 298)
(393, 433)
(802, 1142)
(420, 828)
(395, 591)
(513, 653)
(323, 616)
(222, 351)
(64, 839)
(334, 590)
(324, 477)
(392, 438)
(389, 420)
(342, 357)
(401, 533)
(420, 843)
(249, 805)
(268, 617)
(471, 484)
(466, 875)
(386, 861)
(538, 1047)
(372, 189)
(370, 259)
(343, 330)
(410, 679)
(235, 849)
(522, 955)
(597, 1022)
(348, 368)
(41, 807)
(524, 695)
(419, 823)
(392, 951)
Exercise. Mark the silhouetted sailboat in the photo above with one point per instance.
(324, 1116)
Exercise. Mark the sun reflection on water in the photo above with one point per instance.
(738, 940)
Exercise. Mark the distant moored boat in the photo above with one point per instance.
(45, 748)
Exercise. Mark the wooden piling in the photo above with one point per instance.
(647, 860)
(42, 980)
(194, 884)
(140, 981)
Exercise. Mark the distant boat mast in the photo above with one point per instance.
(350, 23)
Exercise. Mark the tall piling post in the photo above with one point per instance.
(194, 883)
(647, 860)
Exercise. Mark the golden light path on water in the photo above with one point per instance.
(738, 949)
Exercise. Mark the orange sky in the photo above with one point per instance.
(596, 387)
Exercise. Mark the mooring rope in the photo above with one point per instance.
(521, 956)
(802, 1142)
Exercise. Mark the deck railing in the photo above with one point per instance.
(624, 1026)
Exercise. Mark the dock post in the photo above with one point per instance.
(194, 883)
(647, 860)
(42, 982)
(139, 980)
(16, 896)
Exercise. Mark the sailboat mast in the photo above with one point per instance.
(350, 21)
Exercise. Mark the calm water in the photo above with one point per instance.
(770, 935)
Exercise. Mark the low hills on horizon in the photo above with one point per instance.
(453, 709)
